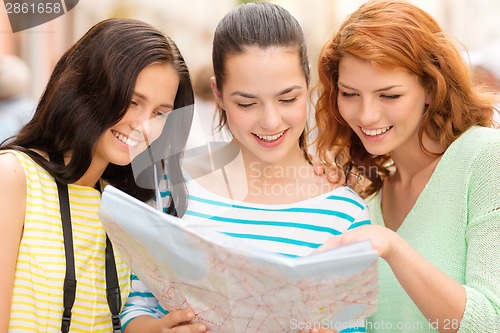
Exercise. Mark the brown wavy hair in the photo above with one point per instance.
(396, 34)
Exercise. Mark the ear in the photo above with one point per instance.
(216, 92)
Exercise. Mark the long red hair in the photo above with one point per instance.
(396, 34)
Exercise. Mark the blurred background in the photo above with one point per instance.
(474, 25)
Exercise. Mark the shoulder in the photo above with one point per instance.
(346, 195)
(478, 137)
(10, 165)
(473, 160)
(11, 158)
(12, 183)
(476, 144)
(12, 174)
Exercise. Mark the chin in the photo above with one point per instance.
(274, 159)
(121, 160)
(376, 151)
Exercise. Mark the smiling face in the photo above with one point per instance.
(384, 108)
(152, 100)
(264, 96)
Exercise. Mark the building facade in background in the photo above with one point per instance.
(191, 24)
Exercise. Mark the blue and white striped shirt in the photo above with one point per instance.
(293, 230)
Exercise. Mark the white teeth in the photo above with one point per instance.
(125, 140)
(375, 131)
(269, 138)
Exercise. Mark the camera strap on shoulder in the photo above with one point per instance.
(113, 295)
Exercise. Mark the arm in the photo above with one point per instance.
(475, 305)
(482, 279)
(12, 212)
(363, 218)
(140, 302)
(440, 298)
(174, 322)
(143, 313)
(436, 295)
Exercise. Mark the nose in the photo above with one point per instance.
(368, 113)
(141, 124)
(271, 118)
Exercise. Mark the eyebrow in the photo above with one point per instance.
(378, 90)
(282, 92)
(169, 106)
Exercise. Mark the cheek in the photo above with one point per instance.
(344, 110)
(299, 120)
(238, 121)
(297, 115)
(349, 110)
(408, 112)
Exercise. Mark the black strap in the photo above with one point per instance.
(112, 286)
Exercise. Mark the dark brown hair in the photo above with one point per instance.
(90, 90)
(256, 24)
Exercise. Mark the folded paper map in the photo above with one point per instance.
(232, 286)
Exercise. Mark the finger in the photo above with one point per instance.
(331, 243)
(318, 170)
(318, 167)
(190, 328)
(334, 241)
(175, 318)
(333, 176)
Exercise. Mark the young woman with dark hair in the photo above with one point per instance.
(107, 101)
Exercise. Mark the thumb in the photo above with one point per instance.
(329, 244)
(174, 318)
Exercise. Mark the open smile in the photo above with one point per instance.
(375, 132)
(270, 138)
(125, 139)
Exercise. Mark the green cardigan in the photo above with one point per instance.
(455, 224)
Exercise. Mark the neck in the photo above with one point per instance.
(92, 175)
(293, 166)
(411, 162)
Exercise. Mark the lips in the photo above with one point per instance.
(125, 139)
(375, 132)
(270, 138)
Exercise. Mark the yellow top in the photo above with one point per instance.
(37, 303)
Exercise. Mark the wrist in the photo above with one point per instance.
(395, 244)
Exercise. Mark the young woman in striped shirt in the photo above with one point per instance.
(261, 187)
